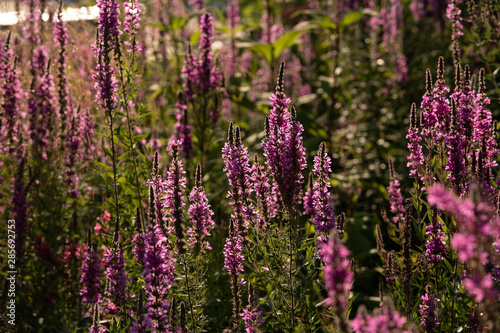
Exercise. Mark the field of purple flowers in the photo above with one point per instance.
(251, 166)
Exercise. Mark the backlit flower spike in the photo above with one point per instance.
(262, 188)
(428, 310)
(456, 150)
(237, 168)
(115, 273)
(416, 156)
(174, 196)
(323, 216)
(440, 104)
(138, 239)
(435, 246)
(91, 274)
(201, 216)
(396, 199)
(250, 315)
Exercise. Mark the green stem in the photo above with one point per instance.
(188, 289)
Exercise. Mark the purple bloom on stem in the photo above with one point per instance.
(323, 216)
(308, 196)
(385, 321)
(138, 239)
(158, 274)
(262, 188)
(337, 274)
(12, 97)
(440, 104)
(91, 271)
(428, 310)
(182, 129)
(201, 215)
(435, 246)
(237, 169)
(190, 74)
(233, 262)
(250, 315)
(283, 147)
(206, 36)
(416, 157)
(115, 271)
(131, 24)
(456, 152)
(397, 207)
(173, 195)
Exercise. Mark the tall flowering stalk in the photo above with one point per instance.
(262, 188)
(283, 147)
(338, 279)
(174, 188)
(453, 14)
(131, 24)
(158, 273)
(250, 315)
(91, 271)
(416, 157)
(182, 129)
(233, 262)
(395, 196)
(115, 271)
(435, 246)
(138, 239)
(106, 83)
(237, 169)
(61, 40)
(12, 97)
(201, 216)
(428, 311)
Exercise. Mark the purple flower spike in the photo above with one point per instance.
(384, 320)
(323, 216)
(237, 169)
(91, 271)
(115, 271)
(435, 246)
(201, 216)
(456, 151)
(428, 310)
(440, 104)
(397, 207)
(182, 129)
(233, 262)
(416, 157)
(12, 97)
(250, 315)
(173, 194)
(283, 147)
(131, 24)
(138, 239)
(205, 67)
(262, 188)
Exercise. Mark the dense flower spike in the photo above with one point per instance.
(182, 129)
(397, 207)
(456, 150)
(384, 321)
(283, 146)
(338, 276)
(477, 229)
(158, 274)
(174, 188)
(428, 310)
(323, 216)
(190, 74)
(416, 157)
(131, 24)
(250, 315)
(453, 14)
(91, 271)
(233, 262)
(205, 67)
(262, 188)
(440, 104)
(435, 246)
(12, 97)
(115, 273)
(61, 39)
(201, 216)
(237, 168)
(42, 104)
(308, 195)
(138, 239)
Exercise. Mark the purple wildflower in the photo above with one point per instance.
(308, 196)
(237, 169)
(201, 215)
(428, 310)
(131, 24)
(173, 194)
(323, 216)
(453, 14)
(91, 271)
(115, 270)
(190, 74)
(385, 321)
(435, 246)
(138, 239)
(456, 152)
(262, 188)
(338, 276)
(158, 274)
(233, 15)
(397, 207)
(283, 146)
(250, 315)
(12, 97)
(439, 116)
(233, 262)
(205, 66)
(416, 157)
(182, 129)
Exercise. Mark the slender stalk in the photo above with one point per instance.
(188, 289)
(292, 291)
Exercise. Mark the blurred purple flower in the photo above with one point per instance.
(396, 199)
(428, 311)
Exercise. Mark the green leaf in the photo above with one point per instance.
(177, 23)
(102, 165)
(351, 18)
(287, 40)
(263, 50)
(107, 151)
